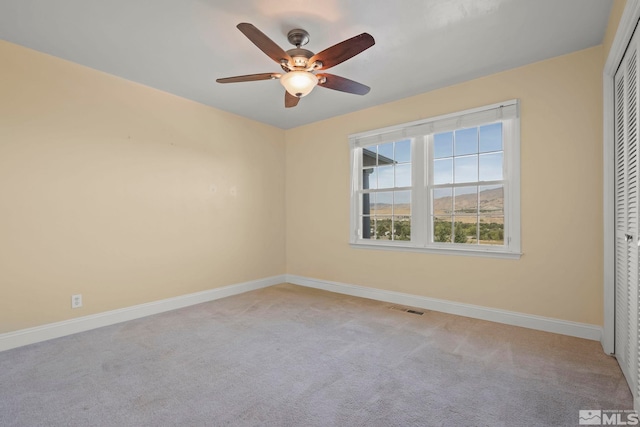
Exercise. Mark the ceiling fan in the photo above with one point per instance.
(299, 65)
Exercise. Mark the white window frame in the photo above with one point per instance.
(421, 135)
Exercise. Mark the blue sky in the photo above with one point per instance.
(465, 155)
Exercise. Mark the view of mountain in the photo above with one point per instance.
(491, 203)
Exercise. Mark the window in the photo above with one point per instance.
(386, 191)
(448, 184)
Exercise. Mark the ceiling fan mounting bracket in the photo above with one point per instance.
(298, 37)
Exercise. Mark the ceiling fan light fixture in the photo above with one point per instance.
(299, 83)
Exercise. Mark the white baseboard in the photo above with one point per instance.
(67, 327)
(564, 327)
(49, 331)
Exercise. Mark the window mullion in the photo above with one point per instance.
(426, 177)
(385, 190)
(466, 184)
(417, 200)
(478, 189)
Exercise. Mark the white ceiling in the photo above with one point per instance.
(182, 46)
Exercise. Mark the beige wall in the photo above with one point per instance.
(560, 273)
(106, 190)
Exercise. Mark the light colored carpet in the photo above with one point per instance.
(292, 356)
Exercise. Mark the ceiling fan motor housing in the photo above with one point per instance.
(300, 56)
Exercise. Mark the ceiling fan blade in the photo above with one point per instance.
(342, 51)
(334, 82)
(290, 100)
(249, 78)
(264, 43)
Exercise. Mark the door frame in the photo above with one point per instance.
(626, 27)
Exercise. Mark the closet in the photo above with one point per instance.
(626, 104)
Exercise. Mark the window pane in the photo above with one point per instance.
(466, 169)
(491, 230)
(472, 230)
(466, 230)
(402, 203)
(368, 200)
(385, 154)
(383, 228)
(443, 145)
(403, 151)
(466, 141)
(491, 215)
(385, 176)
(401, 228)
(368, 227)
(403, 175)
(442, 229)
(442, 201)
(466, 201)
(491, 137)
(491, 167)
(366, 178)
(383, 204)
(443, 171)
(373, 178)
(491, 200)
(369, 156)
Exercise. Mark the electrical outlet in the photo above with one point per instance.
(76, 301)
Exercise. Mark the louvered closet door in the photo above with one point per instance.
(626, 215)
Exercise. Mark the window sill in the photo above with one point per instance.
(399, 247)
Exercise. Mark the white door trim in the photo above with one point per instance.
(627, 25)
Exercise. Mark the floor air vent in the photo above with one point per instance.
(406, 310)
